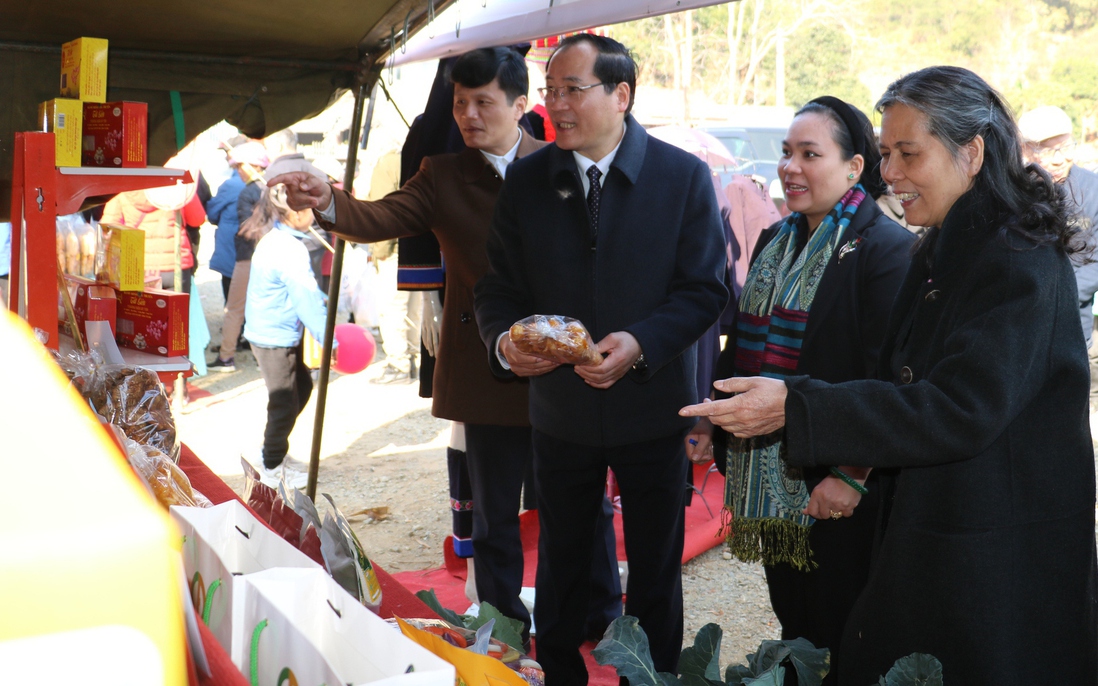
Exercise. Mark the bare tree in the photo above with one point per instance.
(770, 27)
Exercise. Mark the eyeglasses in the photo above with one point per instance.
(1064, 150)
(565, 93)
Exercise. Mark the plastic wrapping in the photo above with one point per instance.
(76, 245)
(556, 338)
(169, 485)
(343, 552)
(133, 399)
(271, 508)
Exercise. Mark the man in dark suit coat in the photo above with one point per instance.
(453, 196)
(634, 250)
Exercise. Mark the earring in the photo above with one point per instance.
(850, 176)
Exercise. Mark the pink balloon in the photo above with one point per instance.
(356, 349)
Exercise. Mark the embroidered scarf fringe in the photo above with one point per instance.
(764, 495)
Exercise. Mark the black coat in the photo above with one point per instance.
(842, 339)
(654, 267)
(987, 560)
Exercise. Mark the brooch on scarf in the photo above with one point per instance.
(848, 248)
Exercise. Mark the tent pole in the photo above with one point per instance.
(366, 82)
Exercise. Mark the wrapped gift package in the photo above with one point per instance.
(115, 134)
(91, 302)
(84, 69)
(153, 321)
(125, 257)
(63, 117)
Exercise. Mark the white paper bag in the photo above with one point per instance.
(220, 543)
(305, 628)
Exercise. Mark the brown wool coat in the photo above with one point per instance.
(452, 196)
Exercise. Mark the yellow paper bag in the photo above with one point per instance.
(472, 669)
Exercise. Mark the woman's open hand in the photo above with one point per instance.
(757, 409)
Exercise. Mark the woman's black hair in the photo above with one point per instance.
(480, 67)
(854, 135)
(958, 106)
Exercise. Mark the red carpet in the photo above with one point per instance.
(448, 581)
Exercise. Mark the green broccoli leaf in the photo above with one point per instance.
(505, 629)
(771, 654)
(625, 648)
(736, 675)
(775, 676)
(700, 664)
(812, 663)
(917, 669)
(431, 600)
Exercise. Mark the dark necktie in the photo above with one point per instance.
(594, 195)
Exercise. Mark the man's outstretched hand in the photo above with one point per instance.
(304, 191)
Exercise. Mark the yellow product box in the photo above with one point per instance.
(63, 117)
(125, 257)
(84, 69)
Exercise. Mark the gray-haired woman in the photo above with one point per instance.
(986, 557)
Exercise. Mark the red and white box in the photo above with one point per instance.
(153, 321)
(91, 302)
(115, 134)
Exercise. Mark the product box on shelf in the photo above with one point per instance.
(153, 321)
(125, 257)
(90, 302)
(63, 117)
(84, 69)
(115, 134)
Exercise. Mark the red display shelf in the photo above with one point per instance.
(40, 192)
(79, 185)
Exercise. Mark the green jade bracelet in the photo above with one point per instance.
(849, 480)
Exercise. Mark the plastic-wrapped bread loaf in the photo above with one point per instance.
(556, 338)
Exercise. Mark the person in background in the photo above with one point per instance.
(246, 162)
(815, 302)
(622, 232)
(1049, 141)
(5, 261)
(452, 197)
(282, 152)
(283, 298)
(985, 556)
(135, 210)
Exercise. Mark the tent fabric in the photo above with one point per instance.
(518, 21)
(259, 64)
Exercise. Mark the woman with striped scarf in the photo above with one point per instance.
(815, 303)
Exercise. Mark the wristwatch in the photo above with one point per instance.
(641, 365)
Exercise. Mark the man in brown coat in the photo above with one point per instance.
(454, 197)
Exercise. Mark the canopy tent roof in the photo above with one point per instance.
(259, 64)
(463, 28)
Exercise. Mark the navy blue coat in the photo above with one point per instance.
(655, 268)
(221, 212)
(987, 558)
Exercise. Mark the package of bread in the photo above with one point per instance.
(556, 338)
(133, 399)
(169, 485)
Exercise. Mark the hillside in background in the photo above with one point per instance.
(785, 52)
